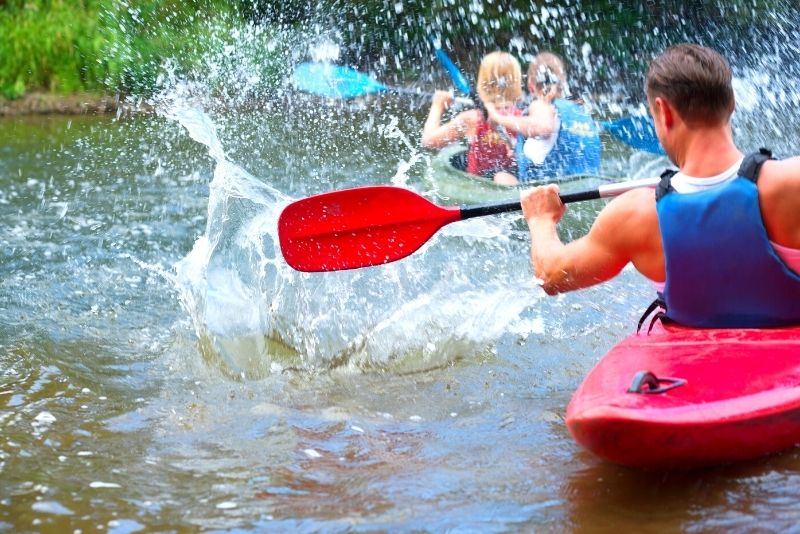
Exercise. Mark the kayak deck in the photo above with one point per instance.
(740, 399)
(457, 159)
(451, 181)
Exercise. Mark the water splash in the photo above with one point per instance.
(260, 316)
(255, 314)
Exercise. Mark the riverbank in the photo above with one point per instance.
(40, 103)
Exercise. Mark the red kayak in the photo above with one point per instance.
(685, 397)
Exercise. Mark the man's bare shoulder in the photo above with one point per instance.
(637, 203)
(628, 219)
(782, 168)
(779, 196)
(780, 178)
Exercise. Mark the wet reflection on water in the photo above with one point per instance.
(752, 495)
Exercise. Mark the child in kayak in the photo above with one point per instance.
(556, 137)
(490, 152)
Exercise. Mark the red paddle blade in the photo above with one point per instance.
(358, 227)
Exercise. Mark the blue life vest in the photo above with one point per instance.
(722, 270)
(577, 148)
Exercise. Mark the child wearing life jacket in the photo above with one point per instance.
(557, 137)
(491, 149)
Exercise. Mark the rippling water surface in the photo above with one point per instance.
(161, 368)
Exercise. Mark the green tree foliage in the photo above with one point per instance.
(46, 44)
(65, 46)
(123, 45)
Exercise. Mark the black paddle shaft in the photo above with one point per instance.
(479, 210)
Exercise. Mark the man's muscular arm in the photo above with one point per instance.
(613, 241)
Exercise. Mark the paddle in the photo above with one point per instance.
(636, 131)
(459, 80)
(374, 225)
(335, 81)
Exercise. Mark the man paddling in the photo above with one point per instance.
(720, 239)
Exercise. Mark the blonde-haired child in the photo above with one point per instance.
(489, 152)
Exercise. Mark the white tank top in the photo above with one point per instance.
(537, 148)
(689, 184)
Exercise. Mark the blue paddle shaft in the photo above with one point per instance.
(459, 80)
(636, 131)
(325, 79)
(335, 81)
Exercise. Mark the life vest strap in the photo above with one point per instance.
(665, 185)
(750, 169)
(751, 166)
(659, 305)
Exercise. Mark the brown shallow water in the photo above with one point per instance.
(397, 400)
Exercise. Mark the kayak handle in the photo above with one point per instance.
(646, 382)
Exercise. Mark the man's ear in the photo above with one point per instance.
(665, 111)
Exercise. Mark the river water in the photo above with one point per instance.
(162, 368)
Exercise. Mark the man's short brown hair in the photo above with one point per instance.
(695, 80)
